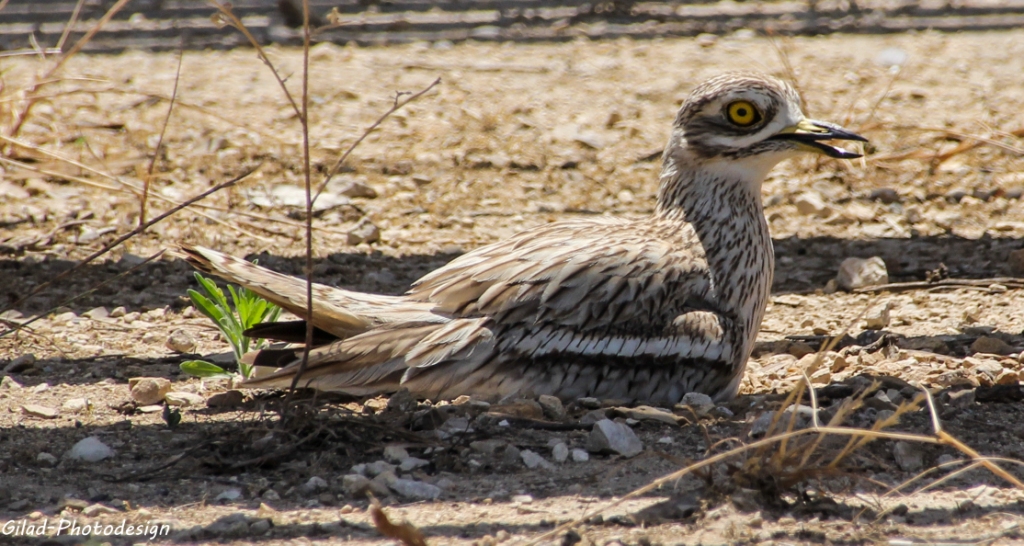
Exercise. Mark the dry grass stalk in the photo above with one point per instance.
(26, 110)
(783, 457)
(394, 108)
(160, 140)
(226, 17)
(110, 246)
(127, 187)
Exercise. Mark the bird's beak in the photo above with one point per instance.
(810, 133)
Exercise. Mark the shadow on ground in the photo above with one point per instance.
(801, 265)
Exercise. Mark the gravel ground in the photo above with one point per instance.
(515, 135)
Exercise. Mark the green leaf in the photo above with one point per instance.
(205, 306)
(245, 310)
(202, 368)
(216, 294)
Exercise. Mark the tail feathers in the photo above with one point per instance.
(341, 313)
(282, 290)
(293, 331)
(428, 359)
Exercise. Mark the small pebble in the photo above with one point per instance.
(36, 410)
(395, 454)
(609, 436)
(76, 405)
(181, 341)
(857, 273)
(560, 452)
(183, 399)
(149, 390)
(412, 489)
(45, 459)
(314, 484)
(230, 494)
(90, 450)
(21, 364)
(533, 460)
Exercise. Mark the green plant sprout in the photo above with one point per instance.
(246, 309)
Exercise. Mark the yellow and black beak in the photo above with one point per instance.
(810, 133)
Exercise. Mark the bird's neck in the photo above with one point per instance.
(721, 200)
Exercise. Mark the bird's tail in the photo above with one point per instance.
(330, 310)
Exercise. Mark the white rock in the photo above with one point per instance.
(859, 272)
(36, 410)
(522, 499)
(804, 419)
(412, 489)
(75, 405)
(183, 399)
(699, 402)
(97, 313)
(149, 390)
(229, 494)
(90, 450)
(609, 436)
(181, 341)
(533, 460)
(378, 467)
(395, 454)
(580, 455)
(909, 456)
(45, 459)
(560, 452)
(891, 56)
(314, 484)
(97, 509)
(811, 204)
(879, 318)
(412, 463)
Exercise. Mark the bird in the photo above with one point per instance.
(643, 310)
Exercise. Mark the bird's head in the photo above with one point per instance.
(750, 122)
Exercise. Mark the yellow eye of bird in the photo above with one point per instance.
(743, 113)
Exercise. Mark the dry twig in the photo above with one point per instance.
(120, 240)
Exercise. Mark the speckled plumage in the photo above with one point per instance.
(644, 310)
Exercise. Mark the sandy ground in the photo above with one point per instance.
(514, 136)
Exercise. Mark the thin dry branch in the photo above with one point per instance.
(127, 188)
(70, 25)
(23, 115)
(306, 171)
(226, 17)
(941, 439)
(160, 140)
(394, 108)
(91, 289)
(122, 239)
(1009, 282)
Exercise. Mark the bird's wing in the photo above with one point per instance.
(590, 290)
(597, 275)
